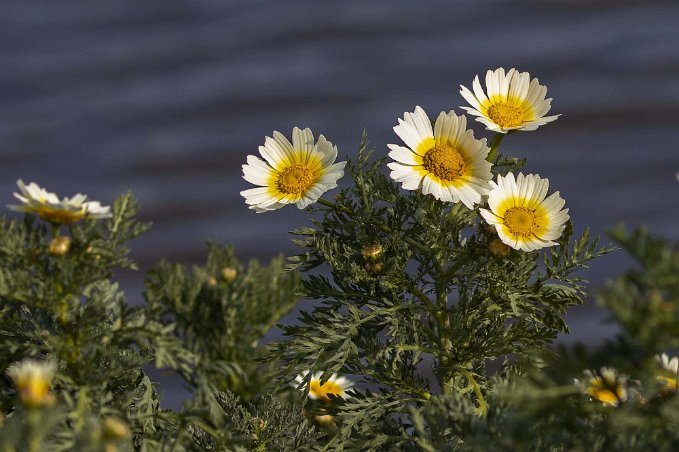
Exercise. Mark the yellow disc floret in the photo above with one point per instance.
(295, 179)
(506, 115)
(444, 162)
(521, 221)
(323, 391)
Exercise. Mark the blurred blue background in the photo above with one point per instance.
(167, 98)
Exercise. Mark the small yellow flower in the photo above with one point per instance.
(291, 173)
(512, 101)
(670, 373)
(33, 380)
(47, 206)
(606, 385)
(523, 216)
(335, 385)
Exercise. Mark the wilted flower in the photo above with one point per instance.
(298, 172)
(512, 101)
(33, 379)
(47, 206)
(523, 217)
(335, 385)
(446, 161)
(670, 372)
(606, 385)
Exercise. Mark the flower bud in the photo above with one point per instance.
(374, 267)
(324, 418)
(229, 274)
(372, 253)
(498, 248)
(115, 428)
(60, 245)
(211, 281)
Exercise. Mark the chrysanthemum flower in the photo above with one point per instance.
(32, 380)
(512, 101)
(298, 172)
(335, 385)
(670, 372)
(606, 385)
(523, 217)
(47, 206)
(446, 161)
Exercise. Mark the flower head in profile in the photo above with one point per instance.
(523, 216)
(512, 101)
(669, 372)
(445, 161)
(606, 385)
(47, 206)
(335, 386)
(33, 380)
(291, 173)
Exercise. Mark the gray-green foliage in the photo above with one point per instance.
(546, 410)
(436, 311)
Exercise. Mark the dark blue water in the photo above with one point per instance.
(166, 98)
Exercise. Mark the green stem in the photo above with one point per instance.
(382, 226)
(494, 145)
(483, 407)
(34, 430)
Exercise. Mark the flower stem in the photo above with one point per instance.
(494, 145)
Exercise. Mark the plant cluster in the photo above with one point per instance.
(431, 300)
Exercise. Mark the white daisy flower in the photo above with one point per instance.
(670, 374)
(298, 172)
(335, 385)
(512, 101)
(47, 206)
(606, 385)
(446, 161)
(523, 218)
(33, 380)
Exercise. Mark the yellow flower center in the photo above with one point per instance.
(521, 221)
(295, 180)
(33, 390)
(444, 162)
(60, 216)
(669, 384)
(322, 391)
(607, 396)
(506, 115)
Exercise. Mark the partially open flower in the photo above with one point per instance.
(47, 206)
(513, 101)
(335, 385)
(33, 380)
(291, 173)
(606, 385)
(669, 373)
